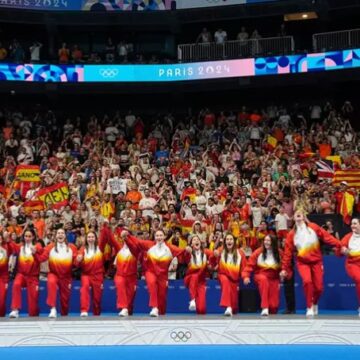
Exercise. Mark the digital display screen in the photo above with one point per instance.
(275, 65)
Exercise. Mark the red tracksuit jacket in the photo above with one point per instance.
(307, 253)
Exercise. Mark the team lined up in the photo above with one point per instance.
(268, 264)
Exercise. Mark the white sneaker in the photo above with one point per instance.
(14, 314)
(154, 312)
(309, 312)
(316, 309)
(53, 313)
(264, 312)
(192, 305)
(124, 312)
(84, 314)
(228, 311)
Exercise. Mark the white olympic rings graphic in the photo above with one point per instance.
(180, 336)
(109, 73)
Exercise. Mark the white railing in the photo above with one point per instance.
(336, 40)
(236, 49)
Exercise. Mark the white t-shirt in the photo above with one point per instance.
(255, 133)
(115, 185)
(130, 120)
(257, 216)
(315, 112)
(147, 203)
(220, 36)
(284, 120)
(111, 133)
(281, 222)
(14, 210)
(35, 52)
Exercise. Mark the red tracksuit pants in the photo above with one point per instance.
(125, 291)
(95, 282)
(229, 293)
(269, 292)
(353, 271)
(4, 282)
(157, 287)
(55, 282)
(197, 290)
(32, 285)
(312, 278)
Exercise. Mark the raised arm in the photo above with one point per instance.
(136, 245)
(103, 237)
(175, 251)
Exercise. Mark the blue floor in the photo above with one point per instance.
(209, 352)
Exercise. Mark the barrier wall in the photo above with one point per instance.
(339, 293)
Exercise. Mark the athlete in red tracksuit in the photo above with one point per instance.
(158, 257)
(61, 256)
(91, 260)
(265, 263)
(6, 249)
(350, 246)
(126, 275)
(27, 274)
(195, 278)
(232, 262)
(304, 238)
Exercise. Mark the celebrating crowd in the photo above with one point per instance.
(222, 195)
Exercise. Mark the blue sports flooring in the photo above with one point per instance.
(209, 352)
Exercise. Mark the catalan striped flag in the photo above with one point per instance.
(351, 176)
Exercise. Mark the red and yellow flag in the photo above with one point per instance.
(347, 207)
(55, 196)
(31, 205)
(352, 177)
(186, 225)
(28, 173)
(272, 142)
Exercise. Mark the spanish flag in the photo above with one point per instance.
(55, 196)
(32, 205)
(28, 173)
(272, 142)
(186, 225)
(188, 192)
(347, 207)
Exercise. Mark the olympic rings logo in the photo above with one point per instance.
(180, 336)
(109, 73)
